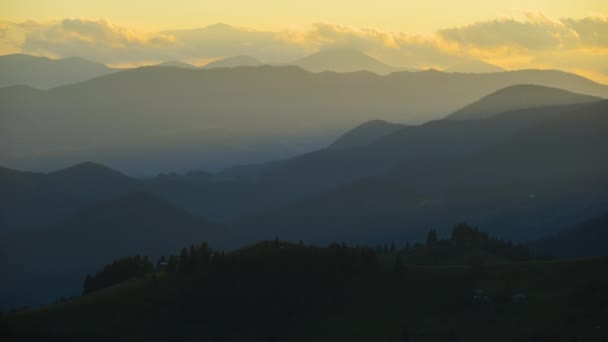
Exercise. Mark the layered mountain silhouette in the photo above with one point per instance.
(227, 195)
(519, 173)
(44, 73)
(519, 97)
(52, 261)
(522, 187)
(238, 191)
(442, 138)
(249, 189)
(474, 67)
(209, 119)
(343, 60)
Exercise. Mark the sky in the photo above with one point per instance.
(567, 35)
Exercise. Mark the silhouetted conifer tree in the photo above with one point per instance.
(431, 238)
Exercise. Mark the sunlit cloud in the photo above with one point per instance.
(537, 32)
(533, 41)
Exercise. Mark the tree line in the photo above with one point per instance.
(467, 245)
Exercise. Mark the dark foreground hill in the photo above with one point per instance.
(49, 262)
(275, 291)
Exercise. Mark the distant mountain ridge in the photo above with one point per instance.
(45, 73)
(518, 97)
(343, 60)
(231, 62)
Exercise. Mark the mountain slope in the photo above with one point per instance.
(550, 175)
(44, 73)
(587, 239)
(235, 61)
(56, 195)
(437, 139)
(245, 190)
(343, 60)
(51, 262)
(366, 133)
(518, 97)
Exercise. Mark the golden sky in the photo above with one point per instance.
(392, 15)
(568, 35)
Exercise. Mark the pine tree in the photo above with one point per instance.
(431, 238)
(183, 261)
(88, 284)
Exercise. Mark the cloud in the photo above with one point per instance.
(536, 33)
(575, 45)
(221, 40)
(533, 41)
(98, 40)
(322, 35)
(591, 31)
(94, 39)
(396, 48)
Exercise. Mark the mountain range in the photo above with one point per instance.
(547, 172)
(344, 60)
(526, 185)
(519, 153)
(189, 119)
